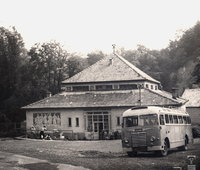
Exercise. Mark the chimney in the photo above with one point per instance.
(110, 61)
(48, 94)
(175, 93)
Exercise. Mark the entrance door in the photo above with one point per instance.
(97, 123)
(98, 130)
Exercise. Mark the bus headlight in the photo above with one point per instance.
(153, 138)
(126, 140)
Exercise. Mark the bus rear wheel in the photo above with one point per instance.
(132, 154)
(184, 147)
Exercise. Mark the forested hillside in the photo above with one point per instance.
(28, 75)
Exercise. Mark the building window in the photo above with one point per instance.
(115, 86)
(77, 122)
(92, 88)
(152, 87)
(70, 122)
(147, 86)
(156, 87)
(80, 88)
(68, 88)
(128, 86)
(118, 121)
(104, 87)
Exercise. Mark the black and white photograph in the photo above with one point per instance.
(100, 85)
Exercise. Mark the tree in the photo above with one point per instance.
(75, 64)
(47, 66)
(12, 57)
(93, 57)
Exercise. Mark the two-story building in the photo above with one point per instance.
(93, 100)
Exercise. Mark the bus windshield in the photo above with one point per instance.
(142, 120)
(131, 121)
(149, 120)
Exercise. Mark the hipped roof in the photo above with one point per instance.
(92, 99)
(110, 68)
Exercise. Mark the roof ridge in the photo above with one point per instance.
(136, 69)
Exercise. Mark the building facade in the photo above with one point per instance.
(92, 102)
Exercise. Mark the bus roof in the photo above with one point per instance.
(142, 110)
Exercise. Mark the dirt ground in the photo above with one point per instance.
(94, 155)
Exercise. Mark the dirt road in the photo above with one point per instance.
(94, 155)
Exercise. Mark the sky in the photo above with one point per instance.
(84, 26)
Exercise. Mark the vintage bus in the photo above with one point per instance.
(158, 129)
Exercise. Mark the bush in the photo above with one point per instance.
(196, 132)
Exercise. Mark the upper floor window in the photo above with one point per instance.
(80, 88)
(103, 87)
(147, 86)
(127, 86)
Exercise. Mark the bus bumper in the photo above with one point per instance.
(149, 148)
(154, 148)
(125, 150)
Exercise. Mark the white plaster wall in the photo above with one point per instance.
(118, 112)
(73, 114)
(65, 114)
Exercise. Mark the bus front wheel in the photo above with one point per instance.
(164, 152)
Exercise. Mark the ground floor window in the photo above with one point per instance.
(77, 122)
(118, 121)
(46, 119)
(69, 121)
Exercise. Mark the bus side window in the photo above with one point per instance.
(167, 119)
(162, 120)
(180, 120)
(188, 120)
(184, 120)
(175, 119)
(171, 119)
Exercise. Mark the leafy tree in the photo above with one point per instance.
(46, 67)
(75, 64)
(12, 57)
(93, 57)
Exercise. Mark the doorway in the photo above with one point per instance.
(98, 123)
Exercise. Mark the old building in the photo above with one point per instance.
(193, 104)
(93, 100)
